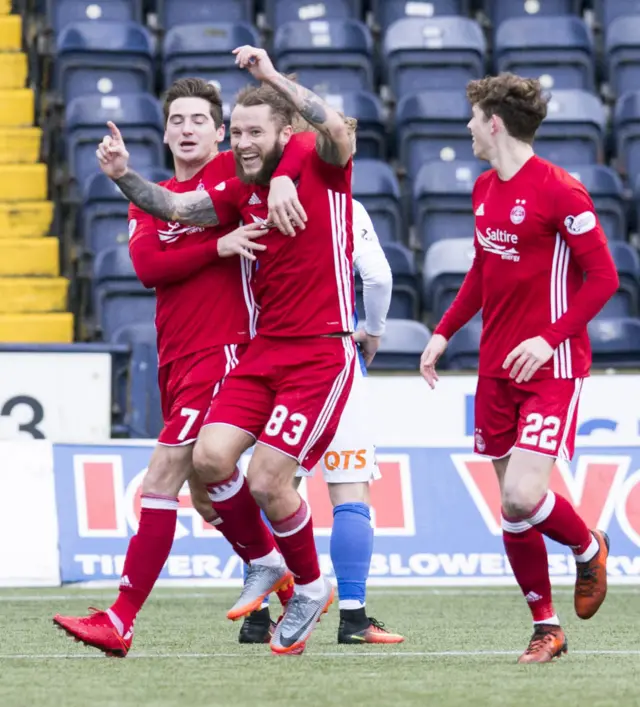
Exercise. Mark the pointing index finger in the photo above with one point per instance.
(115, 132)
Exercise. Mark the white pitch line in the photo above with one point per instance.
(164, 595)
(313, 654)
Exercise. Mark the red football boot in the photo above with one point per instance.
(96, 630)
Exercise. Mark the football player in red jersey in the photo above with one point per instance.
(542, 270)
(203, 319)
(289, 390)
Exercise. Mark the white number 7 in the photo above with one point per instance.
(192, 416)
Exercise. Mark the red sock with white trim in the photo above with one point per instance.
(528, 558)
(556, 518)
(148, 550)
(242, 524)
(296, 542)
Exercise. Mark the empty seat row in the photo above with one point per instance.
(172, 13)
(338, 55)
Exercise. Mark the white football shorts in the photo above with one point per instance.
(351, 456)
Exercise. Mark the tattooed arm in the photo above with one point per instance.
(334, 143)
(193, 208)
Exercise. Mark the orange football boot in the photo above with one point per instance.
(591, 579)
(548, 642)
(375, 632)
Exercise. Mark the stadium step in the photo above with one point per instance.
(20, 145)
(29, 256)
(16, 107)
(10, 33)
(23, 182)
(13, 70)
(49, 328)
(25, 219)
(33, 294)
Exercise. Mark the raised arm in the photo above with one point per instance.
(191, 208)
(334, 141)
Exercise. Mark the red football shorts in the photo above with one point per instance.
(289, 393)
(539, 416)
(187, 386)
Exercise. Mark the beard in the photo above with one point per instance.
(263, 175)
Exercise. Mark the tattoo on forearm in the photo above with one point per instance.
(150, 197)
(191, 208)
(310, 106)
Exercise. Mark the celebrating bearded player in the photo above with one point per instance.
(347, 473)
(291, 386)
(203, 323)
(537, 237)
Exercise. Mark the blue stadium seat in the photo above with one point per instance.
(386, 12)
(605, 187)
(61, 13)
(626, 122)
(442, 200)
(500, 10)
(105, 208)
(440, 53)
(405, 297)
(625, 302)
(367, 108)
(464, 347)
(615, 343)
(139, 118)
(329, 56)
(573, 130)
(622, 49)
(280, 11)
(608, 10)
(445, 265)
(558, 50)
(401, 346)
(172, 13)
(119, 297)
(204, 50)
(144, 413)
(376, 186)
(432, 126)
(104, 57)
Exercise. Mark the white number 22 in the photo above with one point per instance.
(541, 431)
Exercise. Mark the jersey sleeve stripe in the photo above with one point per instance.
(334, 395)
(562, 367)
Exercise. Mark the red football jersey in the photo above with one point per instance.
(202, 300)
(303, 285)
(536, 236)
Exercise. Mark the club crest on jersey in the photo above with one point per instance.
(517, 212)
(582, 223)
(201, 186)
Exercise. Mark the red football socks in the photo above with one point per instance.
(556, 518)
(528, 558)
(296, 542)
(242, 524)
(147, 552)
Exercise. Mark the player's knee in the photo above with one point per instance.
(264, 487)
(519, 501)
(169, 468)
(212, 462)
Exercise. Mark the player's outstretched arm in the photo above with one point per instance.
(191, 208)
(334, 142)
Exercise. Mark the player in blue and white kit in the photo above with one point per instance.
(348, 475)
